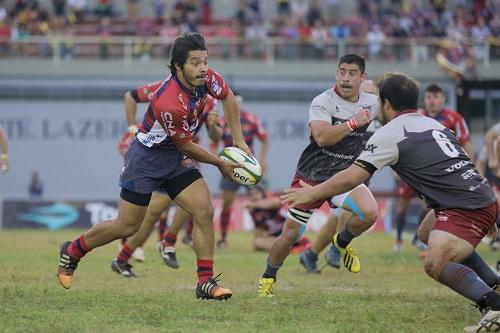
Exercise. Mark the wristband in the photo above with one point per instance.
(132, 129)
(351, 123)
(4, 157)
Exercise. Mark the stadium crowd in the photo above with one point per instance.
(303, 27)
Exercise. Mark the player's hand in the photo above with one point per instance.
(243, 146)
(4, 164)
(362, 118)
(212, 118)
(295, 196)
(226, 168)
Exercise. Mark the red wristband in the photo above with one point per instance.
(351, 123)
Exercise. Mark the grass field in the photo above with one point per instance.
(390, 294)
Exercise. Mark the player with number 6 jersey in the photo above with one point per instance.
(440, 172)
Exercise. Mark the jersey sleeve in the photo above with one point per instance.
(380, 150)
(319, 110)
(461, 129)
(217, 86)
(175, 122)
(144, 93)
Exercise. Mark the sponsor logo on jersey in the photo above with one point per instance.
(371, 148)
(469, 174)
(181, 99)
(457, 166)
(168, 121)
(215, 86)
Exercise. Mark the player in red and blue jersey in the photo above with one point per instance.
(160, 201)
(158, 159)
(252, 128)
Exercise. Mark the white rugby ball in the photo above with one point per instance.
(250, 174)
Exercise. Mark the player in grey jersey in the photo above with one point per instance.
(440, 172)
(338, 118)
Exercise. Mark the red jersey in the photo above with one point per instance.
(175, 113)
(251, 127)
(454, 121)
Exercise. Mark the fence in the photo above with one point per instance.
(128, 48)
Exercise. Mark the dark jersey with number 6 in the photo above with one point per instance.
(428, 157)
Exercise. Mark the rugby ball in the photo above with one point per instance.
(250, 174)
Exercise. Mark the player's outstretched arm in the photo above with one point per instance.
(342, 182)
(232, 115)
(4, 152)
(202, 155)
(489, 139)
(130, 111)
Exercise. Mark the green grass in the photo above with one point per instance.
(390, 294)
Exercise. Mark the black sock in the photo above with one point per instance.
(482, 269)
(490, 301)
(345, 237)
(271, 270)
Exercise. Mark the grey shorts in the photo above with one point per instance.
(228, 185)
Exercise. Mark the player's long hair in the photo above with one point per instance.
(188, 41)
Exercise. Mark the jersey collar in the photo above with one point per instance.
(183, 87)
(407, 111)
(337, 91)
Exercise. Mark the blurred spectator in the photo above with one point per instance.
(59, 7)
(290, 34)
(104, 8)
(479, 33)
(283, 7)
(132, 9)
(35, 188)
(299, 8)
(256, 35)
(104, 31)
(313, 12)
(206, 12)
(159, 8)
(77, 9)
(320, 39)
(375, 39)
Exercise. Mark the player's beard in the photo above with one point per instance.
(195, 81)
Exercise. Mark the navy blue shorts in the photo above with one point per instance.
(147, 170)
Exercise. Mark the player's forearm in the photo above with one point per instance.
(232, 116)
(480, 167)
(332, 135)
(130, 109)
(199, 153)
(4, 146)
(342, 182)
(264, 151)
(266, 203)
(490, 137)
(214, 133)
